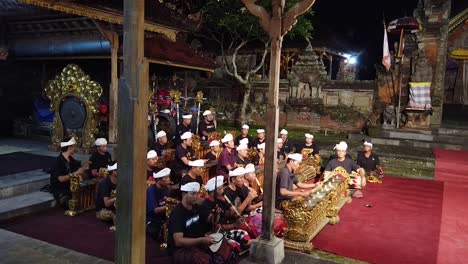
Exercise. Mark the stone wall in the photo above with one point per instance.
(338, 105)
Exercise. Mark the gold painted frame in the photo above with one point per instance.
(72, 81)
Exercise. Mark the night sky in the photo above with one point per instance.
(357, 26)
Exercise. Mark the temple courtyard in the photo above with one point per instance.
(413, 217)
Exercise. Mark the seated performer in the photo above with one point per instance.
(224, 217)
(105, 203)
(244, 135)
(207, 125)
(187, 242)
(151, 164)
(227, 158)
(280, 154)
(99, 159)
(288, 147)
(183, 154)
(250, 178)
(161, 144)
(287, 182)
(348, 164)
(214, 152)
(240, 195)
(60, 173)
(309, 148)
(194, 174)
(156, 204)
(334, 156)
(260, 138)
(369, 161)
(185, 126)
(242, 156)
(259, 159)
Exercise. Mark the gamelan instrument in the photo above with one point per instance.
(306, 217)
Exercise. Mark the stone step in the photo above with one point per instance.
(21, 183)
(25, 204)
(417, 144)
(452, 131)
(440, 138)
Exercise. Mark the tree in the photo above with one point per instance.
(232, 26)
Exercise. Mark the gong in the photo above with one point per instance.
(73, 113)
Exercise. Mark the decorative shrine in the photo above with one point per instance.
(73, 98)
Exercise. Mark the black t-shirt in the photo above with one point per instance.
(99, 161)
(207, 127)
(312, 148)
(184, 221)
(256, 160)
(181, 129)
(181, 152)
(240, 162)
(149, 174)
(347, 164)
(207, 208)
(210, 156)
(288, 147)
(186, 179)
(105, 189)
(62, 167)
(368, 163)
(240, 137)
(238, 196)
(258, 142)
(160, 149)
(280, 154)
(333, 156)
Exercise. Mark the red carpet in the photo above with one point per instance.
(20, 162)
(452, 169)
(83, 233)
(402, 226)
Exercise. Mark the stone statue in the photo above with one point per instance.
(389, 117)
(422, 69)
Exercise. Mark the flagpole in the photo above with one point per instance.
(400, 55)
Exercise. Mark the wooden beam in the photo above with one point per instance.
(132, 115)
(269, 183)
(113, 98)
(99, 14)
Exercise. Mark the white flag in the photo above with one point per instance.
(386, 61)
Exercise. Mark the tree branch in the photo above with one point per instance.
(260, 12)
(289, 19)
(262, 62)
(234, 55)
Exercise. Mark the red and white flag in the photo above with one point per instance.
(386, 61)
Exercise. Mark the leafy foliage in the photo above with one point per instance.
(228, 20)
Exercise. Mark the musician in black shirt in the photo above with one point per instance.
(99, 160)
(207, 125)
(60, 173)
(105, 202)
(187, 238)
(244, 134)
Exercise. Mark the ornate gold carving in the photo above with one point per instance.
(170, 204)
(74, 182)
(196, 143)
(72, 81)
(103, 172)
(373, 178)
(306, 217)
(83, 195)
